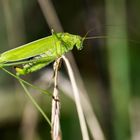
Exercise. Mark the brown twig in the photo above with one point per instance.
(50, 15)
(55, 119)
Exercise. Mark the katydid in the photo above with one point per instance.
(38, 54)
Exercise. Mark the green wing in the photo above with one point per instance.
(29, 50)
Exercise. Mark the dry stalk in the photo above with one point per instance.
(55, 118)
(50, 15)
(77, 99)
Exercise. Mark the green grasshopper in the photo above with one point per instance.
(38, 54)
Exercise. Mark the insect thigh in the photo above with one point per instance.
(41, 61)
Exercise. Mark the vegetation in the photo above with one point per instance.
(109, 67)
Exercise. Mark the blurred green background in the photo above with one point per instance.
(109, 66)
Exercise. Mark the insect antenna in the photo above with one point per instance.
(104, 36)
(92, 37)
(86, 37)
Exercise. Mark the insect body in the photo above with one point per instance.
(38, 54)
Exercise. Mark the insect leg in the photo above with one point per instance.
(29, 68)
(34, 66)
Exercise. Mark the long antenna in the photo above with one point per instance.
(94, 37)
(104, 36)
(87, 34)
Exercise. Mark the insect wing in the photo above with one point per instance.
(29, 50)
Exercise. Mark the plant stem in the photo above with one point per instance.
(55, 120)
(77, 100)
